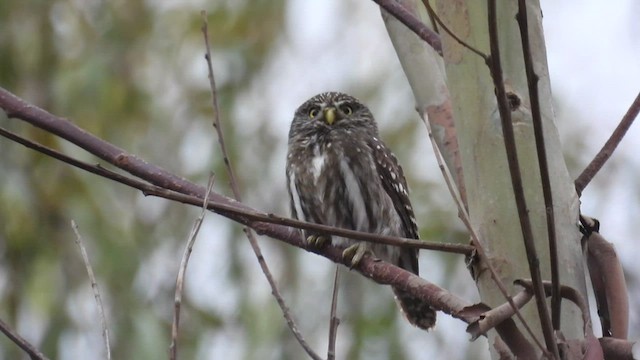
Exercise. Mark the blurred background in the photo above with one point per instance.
(133, 73)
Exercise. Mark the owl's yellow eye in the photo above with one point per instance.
(313, 112)
(346, 109)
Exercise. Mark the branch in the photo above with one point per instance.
(23, 344)
(609, 287)
(236, 194)
(617, 349)
(541, 150)
(94, 287)
(609, 147)
(414, 24)
(177, 298)
(176, 188)
(334, 320)
(437, 19)
(516, 181)
(239, 212)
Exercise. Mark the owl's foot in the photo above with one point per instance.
(318, 241)
(354, 253)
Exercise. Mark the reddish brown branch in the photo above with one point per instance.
(609, 286)
(500, 319)
(414, 24)
(617, 349)
(172, 186)
(609, 147)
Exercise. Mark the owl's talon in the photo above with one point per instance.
(354, 253)
(317, 241)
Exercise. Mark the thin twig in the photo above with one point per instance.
(94, 287)
(335, 321)
(466, 220)
(435, 16)
(538, 131)
(414, 24)
(237, 212)
(516, 181)
(236, 193)
(177, 299)
(23, 344)
(609, 147)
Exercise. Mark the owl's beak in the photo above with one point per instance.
(329, 115)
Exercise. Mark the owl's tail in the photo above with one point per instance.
(415, 310)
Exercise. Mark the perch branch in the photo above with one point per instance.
(238, 212)
(168, 185)
(516, 181)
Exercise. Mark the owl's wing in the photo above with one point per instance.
(394, 183)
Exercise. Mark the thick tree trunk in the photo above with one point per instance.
(468, 89)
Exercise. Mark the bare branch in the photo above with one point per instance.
(617, 349)
(94, 287)
(492, 317)
(177, 299)
(609, 286)
(609, 147)
(516, 181)
(236, 193)
(335, 321)
(414, 24)
(23, 344)
(437, 19)
(485, 319)
(541, 150)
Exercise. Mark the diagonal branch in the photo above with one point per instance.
(23, 344)
(438, 21)
(609, 147)
(414, 24)
(516, 181)
(236, 194)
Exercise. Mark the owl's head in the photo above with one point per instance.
(332, 111)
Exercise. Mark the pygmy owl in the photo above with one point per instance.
(339, 173)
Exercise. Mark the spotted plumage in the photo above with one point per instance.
(339, 173)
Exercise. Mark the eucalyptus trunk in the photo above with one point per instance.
(455, 94)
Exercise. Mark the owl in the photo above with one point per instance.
(339, 173)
